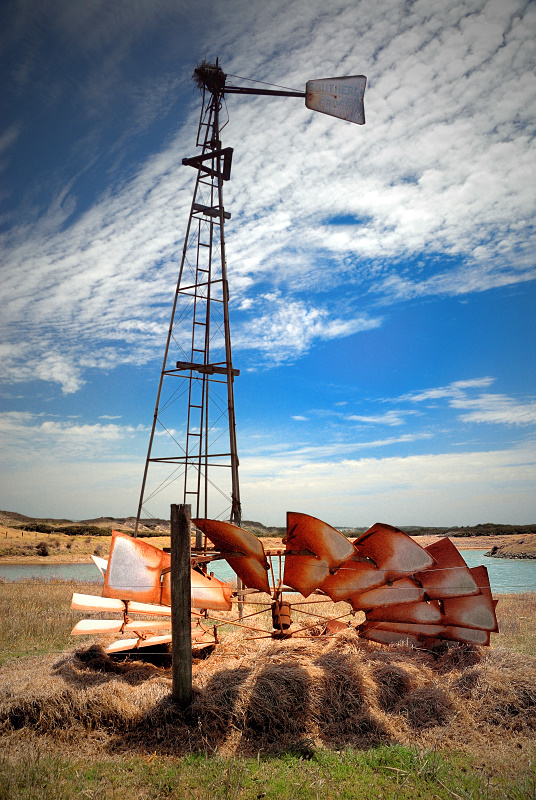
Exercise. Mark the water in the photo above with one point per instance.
(507, 575)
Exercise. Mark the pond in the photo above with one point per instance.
(507, 575)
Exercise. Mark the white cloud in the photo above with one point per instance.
(8, 137)
(388, 418)
(25, 436)
(453, 389)
(496, 408)
(288, 328)
(491, 408)
(299, 453)
(431, 489)
(441, 489)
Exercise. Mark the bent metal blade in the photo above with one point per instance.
(450, 576)
(477, 611)
(352, 577)
(393, 550)
(319, 538)
(241, 549)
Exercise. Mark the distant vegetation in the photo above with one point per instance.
(70, 530)
(103, 526)
(484, 529)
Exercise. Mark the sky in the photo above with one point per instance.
(382, 277)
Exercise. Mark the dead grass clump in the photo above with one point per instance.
(394, 683)
(460, 657)
(503, 689)
(69, 695)
(278, 704)
(427, 707)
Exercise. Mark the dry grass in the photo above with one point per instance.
(516, 615)
(265, 696)
(517, 547)
(36, 617)
(18, 546)
(303, 695)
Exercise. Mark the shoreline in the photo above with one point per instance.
(461, 543)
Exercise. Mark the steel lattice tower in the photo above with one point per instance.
(196, 380)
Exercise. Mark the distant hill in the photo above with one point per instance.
(102, 526)
(159, 527)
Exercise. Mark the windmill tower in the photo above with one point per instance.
(197, 376)
(196, 384)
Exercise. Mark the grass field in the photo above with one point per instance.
(337, 719)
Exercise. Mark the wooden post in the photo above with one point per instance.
(181, 601)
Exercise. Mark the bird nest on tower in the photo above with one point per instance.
(209, 76)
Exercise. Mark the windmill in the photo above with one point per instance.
(403, 592)
(193, 432)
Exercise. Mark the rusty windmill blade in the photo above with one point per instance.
(101, 564)
(450, 576)
(91, 602)
(413, 629)
(207, 591)
(353, 577)
(87, 626)
(326, 543)
(121, 645)
(422, 613)
(466, 635)
(139, 571)
(393, 550)
(241, 549)
(134, 570)
(313, 550)
(419, 635)
(304, 572)
(477, 611)
(397, 592)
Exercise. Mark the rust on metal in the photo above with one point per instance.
(325, 542)
(281, 615)
(450, 577)
(419, 613)
(403, 590)
(305, 573)
(241, 549)
(351, 578)
(476, 611)
(393, 550)
(134, 570)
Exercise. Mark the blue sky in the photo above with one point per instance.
(382, 276)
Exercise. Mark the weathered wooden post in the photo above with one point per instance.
(181, 618)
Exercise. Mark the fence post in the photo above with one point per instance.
(181, 616)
